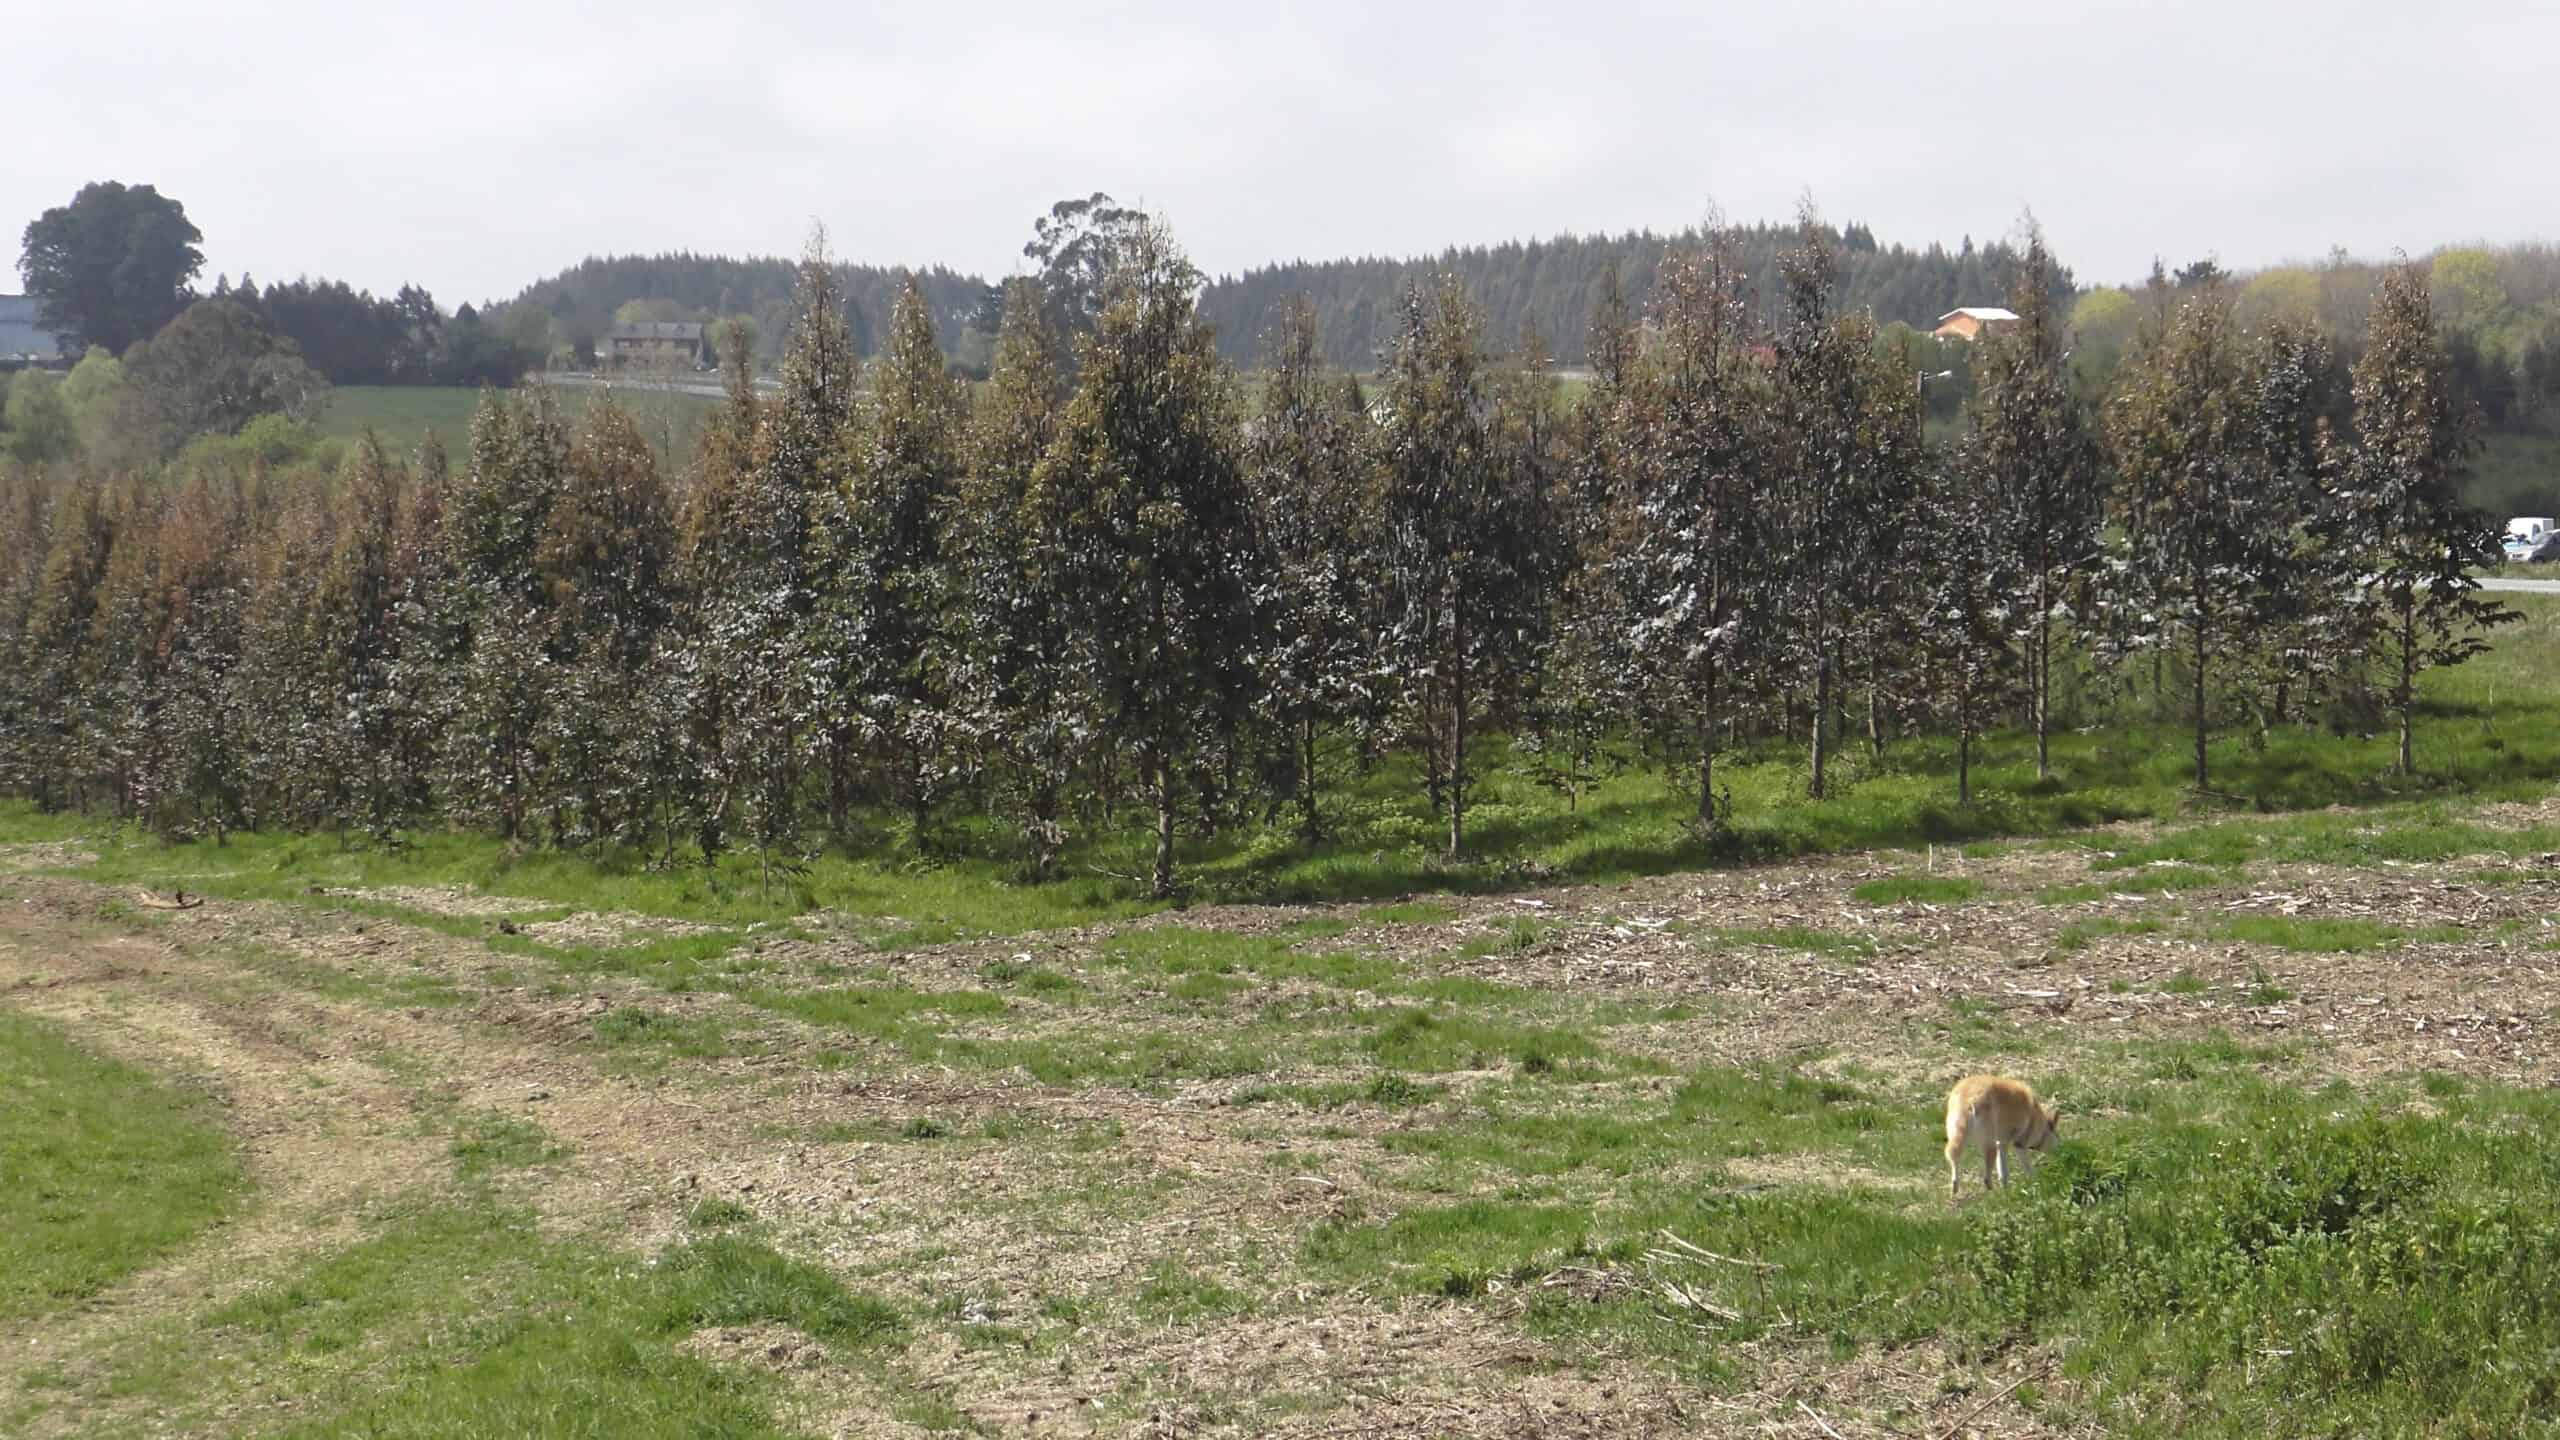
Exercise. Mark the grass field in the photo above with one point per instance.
(1602, 1134)
(2516, 475)
(403, 415)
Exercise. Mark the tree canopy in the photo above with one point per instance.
(113, 266)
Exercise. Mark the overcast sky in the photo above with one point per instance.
(476, 147)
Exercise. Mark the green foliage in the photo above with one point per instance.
(579, 304)
(40, 428)
(2185, 1266)
(1154, 528)
(215, 368)
(112, 266)
(1553, 286)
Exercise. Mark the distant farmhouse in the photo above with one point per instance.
(654, 340)
(1972, 322)
(22, 341)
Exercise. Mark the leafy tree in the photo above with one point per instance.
(495, 527)
(79, 536)
(113, 266)
(1156, 526)
(1848, 443)
(1526, 433)
(1079, 246)
(690, 782)
(198, 784)
(1585, 687)
(215, 368)
(1026, 697)
(777, 677)
(2287, 293)
(2466, 288)
(2204, 274)
(2188, 448)
(2305, 603)
(1305, 460)
(603, 555)
(2031, 452)
(40, 429)
(1698, 502)
(894, 587)
(348, 641)
(2400, 512)
(1461, 542)
(1971, 572)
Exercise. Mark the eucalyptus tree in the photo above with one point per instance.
(1022, 696)
(495, 527)
(1306, 463)
(892, 594)
(2201, 548)
(2305, 641)
(78, 536)
(351, 639)
(691, 782)
(2400, 512)
(1970, 577)
(1698, 491)
(1847, 446)
(1156, 527)
(118, 676)
(1461, 555)
(780, 669)
(1529, 433)
(199, 788)
(1585, 687)
(607, 566)
(2030, 444)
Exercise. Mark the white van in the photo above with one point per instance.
(2532, 537)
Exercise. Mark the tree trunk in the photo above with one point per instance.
(2043, 667)
(1308, 828)
(1707, 762)
(1964, 740)
(1821, 719)
(2199, 698)
(2407, 697)
(1434, 754)
(1163, 776)
(1458, 745)
(1875, 722)
(839, 780)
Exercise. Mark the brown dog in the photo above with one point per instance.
(1994, 1114)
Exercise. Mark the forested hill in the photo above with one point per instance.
(1549, 282)
(1552, 283)
(582, 300)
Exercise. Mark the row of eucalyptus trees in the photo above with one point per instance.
(1118, 579)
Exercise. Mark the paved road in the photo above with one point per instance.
(2522, 587)
(711, 388)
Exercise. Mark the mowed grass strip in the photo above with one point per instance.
(465, 1320)
(103, 1169)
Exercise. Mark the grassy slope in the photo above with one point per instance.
(404, 414)
(102, 1169)
(2516, 475)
